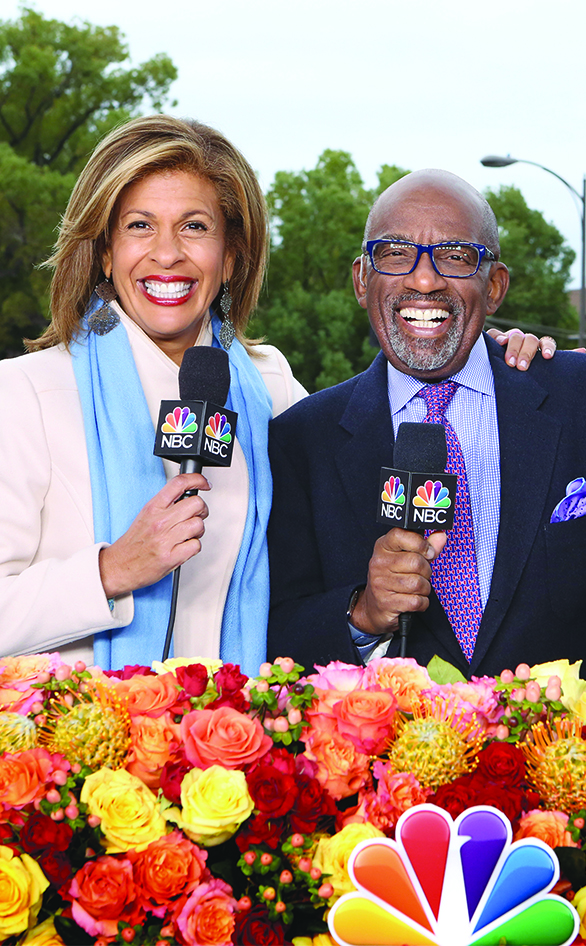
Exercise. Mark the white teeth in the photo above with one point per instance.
(424, 315)
(167, 290)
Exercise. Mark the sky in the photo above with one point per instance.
(415, 83)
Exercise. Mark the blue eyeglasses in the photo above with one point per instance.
(399, 257)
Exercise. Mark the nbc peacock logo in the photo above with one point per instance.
(432, 494)
(180, 421)
(453, 883)
(219, 428)
(393, 491)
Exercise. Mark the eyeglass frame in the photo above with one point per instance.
(483, 252)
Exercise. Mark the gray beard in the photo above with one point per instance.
(425, 354)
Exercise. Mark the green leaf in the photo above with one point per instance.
(442, 672)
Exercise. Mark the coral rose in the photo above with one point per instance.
(22, 883)
(332, 855)
(223, 737)
(17, 675)
(548, 826)
(366, 718)
(23, 777)
(148, 696)
(207, 917)
(402, 675)
(167, 868)
(44, 934)
(102, 893)
(128, 812)
(341, 769)
(214, 803)
(152, 743)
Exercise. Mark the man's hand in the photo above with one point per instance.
(521, 347)
(398, 579)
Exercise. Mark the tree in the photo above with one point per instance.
(539, 262)
(62, 87)
(309, 309)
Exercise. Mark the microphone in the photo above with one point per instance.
(417, 494)
(196, 429)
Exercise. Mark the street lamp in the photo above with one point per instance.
(495, 161)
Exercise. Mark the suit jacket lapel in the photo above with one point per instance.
(528, 443)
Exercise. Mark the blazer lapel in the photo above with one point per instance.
(528, 443)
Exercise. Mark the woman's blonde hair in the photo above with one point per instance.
(128, 154)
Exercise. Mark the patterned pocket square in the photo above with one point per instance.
(573, 505)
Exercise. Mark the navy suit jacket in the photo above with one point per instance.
(326, 455)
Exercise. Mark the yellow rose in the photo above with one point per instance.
(170, 665)
(128, 811)
(332, 856)
(214, 803)
(579, 902)
(322, 939)
(573, 688)
(22, 883)
(44, 934)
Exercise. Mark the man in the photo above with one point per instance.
(339, 580)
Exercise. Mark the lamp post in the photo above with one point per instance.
(495, 161)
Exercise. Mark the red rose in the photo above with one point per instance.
(172, 775)
(311, 804)
(455, 797)
(129, 671)
(41, 832)
(254, 928)
(193, 679)
(56, 867)
(259, 830)
(506, 799)
(229, 682)
(272, 791)
(502, 761)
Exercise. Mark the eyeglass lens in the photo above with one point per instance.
(398, 259)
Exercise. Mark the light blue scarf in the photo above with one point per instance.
(125, 475)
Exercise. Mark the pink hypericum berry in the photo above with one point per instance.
(297, 840)
(315, 873)
(68, 698)
(266, 859)
(553, 690)
(518, 694)
(523, 672)
(53, 796)
(128, 934)
(270, 893)
(79, 666)
(280, 907)
(63, 672)
(286, 877)
(93, 821)
(281, 724)
(294, 716)
(37, 708)
(76, 768)
(250, 857)
(502, 732)
(579, 822)
(72, 811)
(325, 891)
(269, 724)
(305, 864)
(266, 670)
(533, 691)
(287, 664)
(507, 676)
(59, 777)
(57, 815)
(41, 719)
(43, 677)
(262, 686)
(244, 903)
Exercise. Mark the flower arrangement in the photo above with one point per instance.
(188, 804)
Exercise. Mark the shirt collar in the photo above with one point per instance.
(476, 375)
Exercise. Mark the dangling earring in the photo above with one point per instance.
(227, 330)
(103, 319)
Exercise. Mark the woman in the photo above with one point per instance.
(162, 247)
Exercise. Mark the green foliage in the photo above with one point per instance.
(61, 88)
(310, 311)
(539, 262)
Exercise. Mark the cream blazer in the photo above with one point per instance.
(51, 596)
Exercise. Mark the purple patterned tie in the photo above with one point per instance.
(455, 572)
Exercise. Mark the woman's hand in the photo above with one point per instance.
(521, 347)
(165, 534)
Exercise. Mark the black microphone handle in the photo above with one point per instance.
(405, 620)
(190, 465)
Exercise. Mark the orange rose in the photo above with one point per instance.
(167, 868)
(148, 696)
(207, 917)
(102, 893)
(341, 769)
(366, 717)
(17, 674)
(402, 675)
(151, 746)
(23, 777)
(548, 826)
(223, 737)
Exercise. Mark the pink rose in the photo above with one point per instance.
(341, 769)
(206, 918)
(402, 675)
(17, 676)
(223, 737)
(473, 702)
(366, 717)
(548, 826)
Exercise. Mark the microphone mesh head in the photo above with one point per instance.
(204, 375)
(421, 448)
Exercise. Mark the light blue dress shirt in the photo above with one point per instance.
(473, 415)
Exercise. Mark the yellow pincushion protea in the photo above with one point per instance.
(93, 732)
(437, 745)
(556, 764)
(17, 733)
